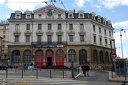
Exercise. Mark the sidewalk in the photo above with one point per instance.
(117, 78)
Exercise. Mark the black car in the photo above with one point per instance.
(3, 67)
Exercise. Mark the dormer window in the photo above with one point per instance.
(28, 16)
(59, 15)
(81, 15)
(39, 15)
(70, 16)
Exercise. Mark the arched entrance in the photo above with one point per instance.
(39, 57)
(82, 57)
(59, 57)
(49, 57)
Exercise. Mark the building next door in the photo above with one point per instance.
(49, 57)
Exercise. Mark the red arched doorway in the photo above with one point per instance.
(39, 58)
(49, 57)
(59, 57)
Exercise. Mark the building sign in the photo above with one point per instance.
(48, 46)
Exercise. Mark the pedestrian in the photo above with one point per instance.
(87, 68)
(83, 69)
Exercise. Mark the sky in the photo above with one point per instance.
(114, 10)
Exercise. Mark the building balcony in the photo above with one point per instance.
(71, 32)
(82, 32)
(59, 32)
(39, 32)
(27, 32)
(49, 32)
(17, 32)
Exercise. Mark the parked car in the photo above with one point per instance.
(3, 67)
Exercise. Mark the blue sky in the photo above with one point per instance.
(114, 10)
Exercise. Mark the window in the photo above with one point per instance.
(27, 56)
(110, 33)
(39, 38)
(104, 31)
(94, 38)
(94, 28)
(59, 39)
(39, 27)
(59, 26)
(81, 38)
(16, 38)
(27, 38)
(49, 38)
(49, 26)
(70, 26)
(70, 15)
(71, 55)
(105, 41)
(4, 32)
(3, 36)
(71, 38)
(59, 15)
(28, 27)
(99, 30)
(28, 16)
(81, 15)
(100, 41)
(39, 15)
(17, 27)
(81, 27)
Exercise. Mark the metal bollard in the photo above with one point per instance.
(50, 74)
(63, 74)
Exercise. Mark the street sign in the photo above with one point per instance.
(113, 55)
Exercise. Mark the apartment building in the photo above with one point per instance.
(53, 36)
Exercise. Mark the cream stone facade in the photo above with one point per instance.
(4, 29)
(53, 36)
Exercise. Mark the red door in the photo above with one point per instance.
(39, 58)
(49, 56)
(60, 58)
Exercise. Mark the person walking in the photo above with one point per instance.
(87, 68)
(83, 69)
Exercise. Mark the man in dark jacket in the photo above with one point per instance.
(87, 68)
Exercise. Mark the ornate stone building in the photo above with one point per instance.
(53, 36)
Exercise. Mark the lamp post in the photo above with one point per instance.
(121, 30)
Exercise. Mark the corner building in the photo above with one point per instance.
(54, 36)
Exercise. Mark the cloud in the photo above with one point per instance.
(24, 4)
(122, 24)
(2, 1)
(113, 3)
(80, 3)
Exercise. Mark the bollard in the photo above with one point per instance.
(22, 73)
(6, 72)
(63, 74)
(50, 74)
(37, 73)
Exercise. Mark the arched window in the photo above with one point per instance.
(71, 55)
(39, 56)
(59, 57)
(106, 57)
(82, 57)
(101, 57)
(15, 56)
(27, 56)
(95, 56)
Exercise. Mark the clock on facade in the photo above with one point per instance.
(49, 13)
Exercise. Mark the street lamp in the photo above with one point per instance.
(121, 30)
